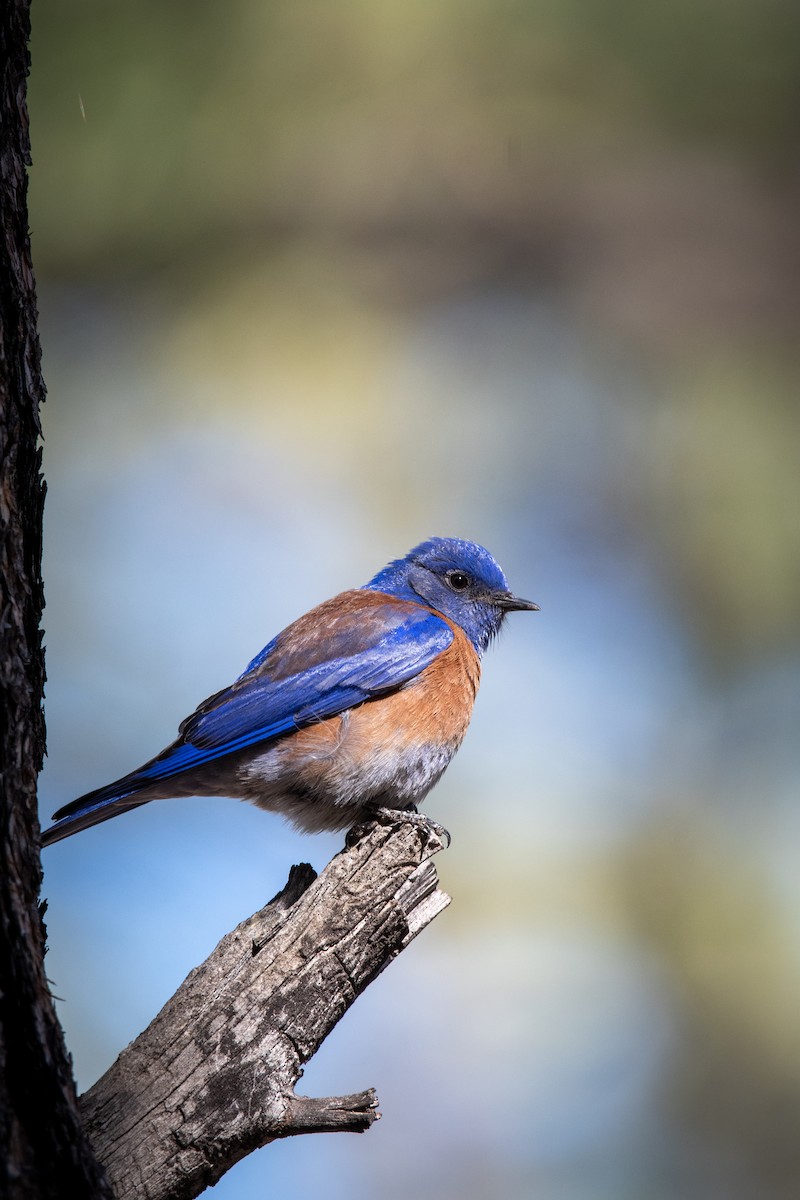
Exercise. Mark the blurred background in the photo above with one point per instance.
(318, 280)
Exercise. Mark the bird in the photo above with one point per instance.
(351, 714)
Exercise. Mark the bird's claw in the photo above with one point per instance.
(410, 816)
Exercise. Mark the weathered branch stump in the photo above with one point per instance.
(212, 1077)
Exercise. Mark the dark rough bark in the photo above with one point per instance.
(43, 1151)
(212, 1077)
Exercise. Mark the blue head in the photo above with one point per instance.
(457, 578)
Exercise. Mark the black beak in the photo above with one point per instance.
(511, 603)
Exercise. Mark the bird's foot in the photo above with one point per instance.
(402, 816)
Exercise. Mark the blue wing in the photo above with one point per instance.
(266, 702)
(350, 649)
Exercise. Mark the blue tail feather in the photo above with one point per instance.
(94, 807)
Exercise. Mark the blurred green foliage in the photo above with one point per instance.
(198, 116)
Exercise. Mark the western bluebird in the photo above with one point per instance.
(352, 713)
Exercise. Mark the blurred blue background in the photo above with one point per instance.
(317, 281)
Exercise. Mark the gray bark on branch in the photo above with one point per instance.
(212, 1077)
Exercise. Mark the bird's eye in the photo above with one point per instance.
(458, 580)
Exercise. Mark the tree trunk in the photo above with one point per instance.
(43, 1150)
